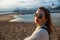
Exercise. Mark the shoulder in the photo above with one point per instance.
(40, 32)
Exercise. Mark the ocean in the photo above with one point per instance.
(55, 17)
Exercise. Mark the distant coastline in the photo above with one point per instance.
(55, 11)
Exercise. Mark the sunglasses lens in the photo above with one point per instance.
(39, 15)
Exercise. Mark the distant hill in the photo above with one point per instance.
(32, 10)
(55, 10)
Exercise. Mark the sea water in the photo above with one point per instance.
(55, 17)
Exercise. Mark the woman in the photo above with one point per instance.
(43, 21)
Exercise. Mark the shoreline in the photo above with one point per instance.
(7, 17)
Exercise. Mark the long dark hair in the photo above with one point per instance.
(48, 17)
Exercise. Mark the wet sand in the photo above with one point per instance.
(18, 30)
(7, 17)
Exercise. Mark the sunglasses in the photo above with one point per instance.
(38, 15)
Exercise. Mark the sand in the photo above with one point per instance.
(8, 17)
(18, 30)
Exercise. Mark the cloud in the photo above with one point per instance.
(8, 3)
(24, 3)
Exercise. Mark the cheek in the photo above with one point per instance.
(36, 20)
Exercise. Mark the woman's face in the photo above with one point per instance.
(40, 17)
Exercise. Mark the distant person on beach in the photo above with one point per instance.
(44, 26)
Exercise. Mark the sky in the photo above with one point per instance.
(9, 4)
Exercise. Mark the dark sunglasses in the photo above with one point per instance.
(38, 15)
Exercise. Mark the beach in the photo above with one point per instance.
(7, 17)
(18, 30)
(17, 17)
